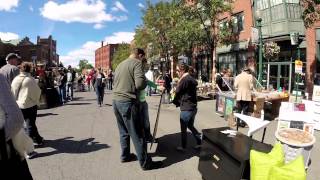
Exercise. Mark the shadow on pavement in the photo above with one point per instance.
(47, 114)
(66, 145)
(77, 98)
(167, 148)
(73, 104)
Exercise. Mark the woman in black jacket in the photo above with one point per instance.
(186, 99)
(99, 85)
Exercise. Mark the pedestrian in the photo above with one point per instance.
(70, 80)
(62, 86)
(167, 86)
(110, 79)
(10, 70)
(144, 110)
(12, 164)
(186, 99)
(27, 94)
(129, 81)
(150, 76)
(244, 86)
(99, 86)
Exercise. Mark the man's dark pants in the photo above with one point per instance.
(30, 116)
(100, 94)
(130, 125)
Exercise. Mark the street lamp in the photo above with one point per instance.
(259, 26)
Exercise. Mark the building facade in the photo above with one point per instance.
(104, 55)
(43, 52)
(280, 19)
(241, 52)
(313, 55)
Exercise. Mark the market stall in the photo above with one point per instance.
(266, 100)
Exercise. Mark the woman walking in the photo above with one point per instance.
(186, 99)
(27, 94)
(99, 85)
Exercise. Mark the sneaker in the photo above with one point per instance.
(181, 149)
(38, 141)
(153, 165)
(132, 157)
(31, 155)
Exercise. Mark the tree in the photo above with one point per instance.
(311, 12)
(84, 64)
(121, 54)
(208, 12)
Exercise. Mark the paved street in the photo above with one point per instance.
(82, 143)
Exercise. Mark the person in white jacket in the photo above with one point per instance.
(27, 93)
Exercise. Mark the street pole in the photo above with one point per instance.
(259, 25)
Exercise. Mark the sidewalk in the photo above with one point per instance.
(82, 142)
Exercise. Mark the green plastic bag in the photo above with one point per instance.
(261, 163)
(294, 170)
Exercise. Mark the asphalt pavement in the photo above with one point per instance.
(82, 143)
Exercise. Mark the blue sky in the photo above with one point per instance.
(79, 26)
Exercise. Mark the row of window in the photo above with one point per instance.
(237, 23)
(264, 4)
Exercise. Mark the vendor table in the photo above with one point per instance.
(227, 157)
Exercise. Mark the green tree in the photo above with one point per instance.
(120, 55)
(207, 12)
(84, 64)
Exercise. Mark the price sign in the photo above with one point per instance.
(298, 66)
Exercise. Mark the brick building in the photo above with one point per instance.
(44, 52)
(242, 52)
(104, 55)
(313, 54)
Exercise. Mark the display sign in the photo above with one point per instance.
(316, 93)
(294, 37)
(298, 66)
(254, 35)
(220, 104)
(229, 102)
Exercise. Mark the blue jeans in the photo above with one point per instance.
(62, 93)
(130, 125)
(70, 90)
(144, 113)
(187, 121)
(100, 94)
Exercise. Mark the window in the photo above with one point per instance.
(223, 24)
(275, 2)
(238, 23)
(262, 4)
(292, 1)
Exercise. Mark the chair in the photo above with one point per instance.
(254, 124)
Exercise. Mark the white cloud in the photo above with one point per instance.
(87, 50)
(141, 5)
(8, 5)
(119, 7)
(31, 8)
(119, 37)
(85, 11)
(98, 26)
(6, 36)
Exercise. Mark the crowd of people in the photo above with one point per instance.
(131, 82)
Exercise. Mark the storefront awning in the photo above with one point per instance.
(233, 47)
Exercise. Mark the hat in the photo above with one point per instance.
(12, 55)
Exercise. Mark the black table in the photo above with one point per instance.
(224, 157)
